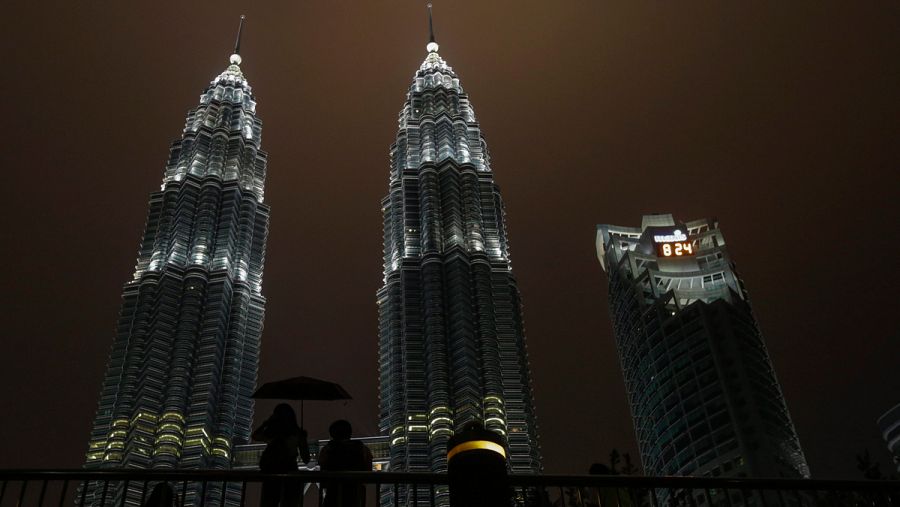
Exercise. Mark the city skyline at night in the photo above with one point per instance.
(780, 121)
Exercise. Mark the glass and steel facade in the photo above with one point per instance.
(889, 424)
(703, 393)
(183, 364)
(451, 337)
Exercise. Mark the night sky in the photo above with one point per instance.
(781, 119)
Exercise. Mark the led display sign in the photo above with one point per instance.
(673, 245)
(678, 249)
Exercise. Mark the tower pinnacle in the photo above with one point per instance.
(236, 56)
(432, 46)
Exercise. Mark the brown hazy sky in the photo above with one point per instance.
(779, 118)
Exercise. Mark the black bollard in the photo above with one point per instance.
(476, 468)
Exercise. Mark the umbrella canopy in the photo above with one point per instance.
(302, 388)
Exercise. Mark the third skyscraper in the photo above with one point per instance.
(703, 392)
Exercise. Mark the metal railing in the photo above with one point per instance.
(395, 489)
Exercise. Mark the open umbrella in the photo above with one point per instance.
(302, 388)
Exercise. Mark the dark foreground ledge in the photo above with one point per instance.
(240, 487)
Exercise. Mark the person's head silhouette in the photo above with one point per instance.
(284, 412)
(283, 418)
(340, 430)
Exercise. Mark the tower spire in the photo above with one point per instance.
(236, 56)
(432, 46)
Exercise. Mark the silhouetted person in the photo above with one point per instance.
(162, 496)
(476, 466)
(341, 454)
(285, 442)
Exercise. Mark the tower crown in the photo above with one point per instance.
(225, 117)
(233, 75)
(434, 71)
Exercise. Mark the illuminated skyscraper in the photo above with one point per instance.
(184, 359)
(889, 423)
(452, 342)
(702, 389)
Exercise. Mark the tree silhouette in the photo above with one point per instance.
(871, 469)
(615, 458)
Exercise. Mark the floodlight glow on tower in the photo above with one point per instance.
(184, 359)
(452, 340)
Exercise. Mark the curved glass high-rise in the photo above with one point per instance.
(452, 341)
(183, 365)
(889, 423)
(703, 392)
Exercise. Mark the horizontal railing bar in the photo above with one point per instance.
(643, 482)
(221, 475)
(422, 478)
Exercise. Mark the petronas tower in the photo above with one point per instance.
(184, 359)
(452, 341)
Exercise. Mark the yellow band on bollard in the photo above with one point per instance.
(477, 445)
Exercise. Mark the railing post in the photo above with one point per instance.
(22, 494)
(43, 492)
(781, 498)
(124, 493)
(727, 497)
(62, 495)
(84, 487)
(183, 492)
(105, 489)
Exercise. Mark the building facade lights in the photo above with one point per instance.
(451, 332)
(704, 397)
(889, 424)
(184, 359)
